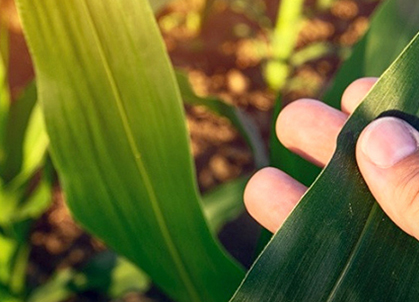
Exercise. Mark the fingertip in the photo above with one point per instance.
(270, 196)
(355, 92)
(309, 128)
(288, 115)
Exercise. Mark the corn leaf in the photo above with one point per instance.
(15, 129)
(239, 119)
(338, 245)
(118, 140)
(284, 38)
(224, 203)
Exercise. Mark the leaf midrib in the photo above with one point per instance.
(139, 163)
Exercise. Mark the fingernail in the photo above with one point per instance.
(387, 141)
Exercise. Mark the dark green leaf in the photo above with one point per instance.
(118, 139)
(338, 245)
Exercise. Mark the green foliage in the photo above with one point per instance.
(118, 140)
(114, 116)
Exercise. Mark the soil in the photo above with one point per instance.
(219, 45)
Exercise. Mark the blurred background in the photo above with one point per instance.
(243, 52)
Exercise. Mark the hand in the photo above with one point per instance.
(386, 152)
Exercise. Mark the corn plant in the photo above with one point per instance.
(116, 129)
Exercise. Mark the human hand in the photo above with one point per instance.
(386, 152)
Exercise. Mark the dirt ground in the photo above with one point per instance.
(218, 47)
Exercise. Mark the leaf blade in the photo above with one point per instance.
(118, 139)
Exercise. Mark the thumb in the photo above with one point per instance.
(388, 158)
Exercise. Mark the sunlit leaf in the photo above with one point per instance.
(338, 245)
(118, 140)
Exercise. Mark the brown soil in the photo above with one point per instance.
(222, 59)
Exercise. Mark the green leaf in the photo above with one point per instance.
(338, 245)
(284, 38)
(237, 117)
(224, 203)
(118, 140)
(15, 130)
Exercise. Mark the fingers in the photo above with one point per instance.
(309, 128)
(271, 195)
(388, 158)
(355, 92)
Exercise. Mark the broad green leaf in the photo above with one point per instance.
(237, 117)
(118, 140)
(338, 245)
